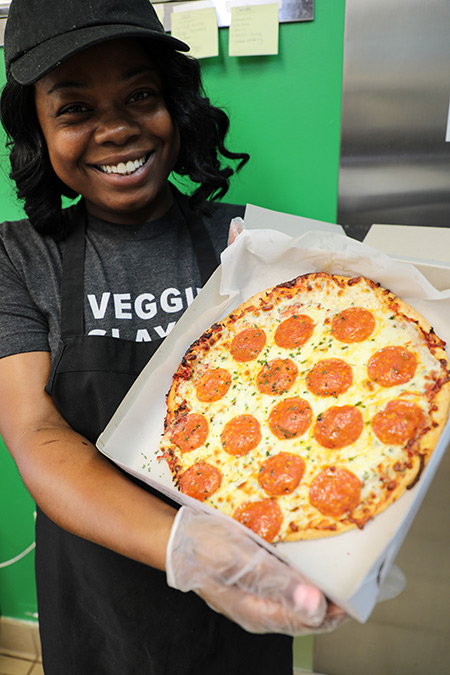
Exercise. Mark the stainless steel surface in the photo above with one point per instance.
(395, 161)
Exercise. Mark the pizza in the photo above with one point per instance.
(309, 409)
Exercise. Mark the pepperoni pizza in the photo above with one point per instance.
(309, 409)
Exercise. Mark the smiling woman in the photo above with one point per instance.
(201, 127)
(109, 134)
(100, 102)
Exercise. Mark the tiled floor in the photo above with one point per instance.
(20, 648)
(13, 666)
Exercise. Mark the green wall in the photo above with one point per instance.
(285, 111)
(17, 589)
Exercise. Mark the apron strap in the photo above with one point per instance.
(72, 285)
(207, 259)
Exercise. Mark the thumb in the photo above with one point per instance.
(235, 229)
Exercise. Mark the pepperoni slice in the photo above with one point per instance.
(398, 422)
(338, 426)
(335, 492)
(354, 324)
(214, 385)
(247, 344)
(240, 435)
(281, 474)
(263, 517)
(200, 481)
(329, 377)
(277, 376)
(190, 432)
(391, 366)
(290, 418)
(294, 332)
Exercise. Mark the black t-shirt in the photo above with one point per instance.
(101, 612)
(138, 280)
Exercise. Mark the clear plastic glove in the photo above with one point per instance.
(392, 585)
(242, 580)
(236, 226)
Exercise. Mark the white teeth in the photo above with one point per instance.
(122, 168)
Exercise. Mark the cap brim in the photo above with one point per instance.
(50, 54)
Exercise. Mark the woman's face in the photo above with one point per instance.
(109, 134)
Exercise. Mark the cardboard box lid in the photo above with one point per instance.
(427, 248)
(430, 245)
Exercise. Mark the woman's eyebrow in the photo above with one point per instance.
(128, 75)
(66, 85)
(139, 70)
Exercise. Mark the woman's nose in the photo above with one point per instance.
(116, 127)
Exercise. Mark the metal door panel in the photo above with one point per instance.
(395, 161)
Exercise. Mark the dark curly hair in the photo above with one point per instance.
(202, 127)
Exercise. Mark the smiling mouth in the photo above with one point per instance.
(123, 168)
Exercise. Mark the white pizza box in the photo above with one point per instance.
(291, 225)
(428, 248)
(349, 567)
(430, 245)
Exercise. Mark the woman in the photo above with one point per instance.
(88, 294)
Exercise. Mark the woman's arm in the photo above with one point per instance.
(82, 492)
(69, 479)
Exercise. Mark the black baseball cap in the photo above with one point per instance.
(41, 34)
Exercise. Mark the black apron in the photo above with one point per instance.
(99, 612)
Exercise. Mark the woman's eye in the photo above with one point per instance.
(74, 109)
(141, 96)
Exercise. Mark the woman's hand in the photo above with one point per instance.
(242, 580)
(235, 229)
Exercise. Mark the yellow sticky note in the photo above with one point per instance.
(253, 30)
(197, 27)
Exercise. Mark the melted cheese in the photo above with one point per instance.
(364, 458)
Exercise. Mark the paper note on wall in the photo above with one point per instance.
(254, 30)
(198, 28)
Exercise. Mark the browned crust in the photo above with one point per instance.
(417, 453)
(326, 527)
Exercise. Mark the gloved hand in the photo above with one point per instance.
(236, 226)
(241, 579)
(392, 585)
